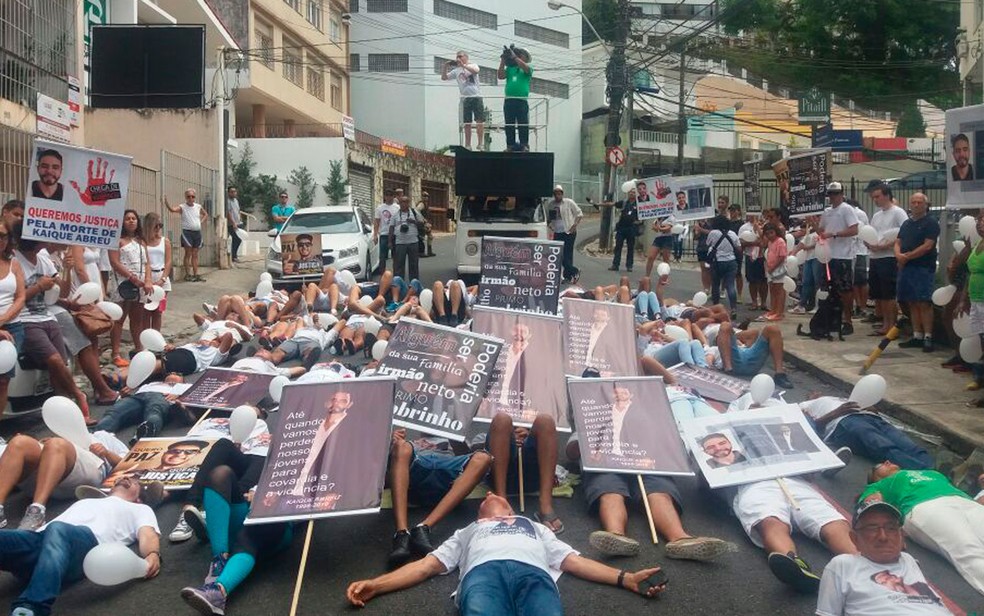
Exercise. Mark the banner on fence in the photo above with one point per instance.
(965, 157)
(752, 187)
(520, 274)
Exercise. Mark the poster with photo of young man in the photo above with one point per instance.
(711, 384)
(225, 389)
(964, 158)
(300, 254)
(172, 460)
(599, 339)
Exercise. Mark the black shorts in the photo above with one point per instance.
(841, 275)
(860, 270)
(755, 270)
(663, 242)
(181, 361)
(596, 484)
(883, 275)
(472, 110)
(191, 239)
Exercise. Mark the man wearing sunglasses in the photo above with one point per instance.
(281, 211)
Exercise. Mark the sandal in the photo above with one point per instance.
(548, 520)
(119, 362)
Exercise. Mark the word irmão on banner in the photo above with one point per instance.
(520, 274)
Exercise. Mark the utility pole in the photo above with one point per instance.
(617, 77)
(681, 112)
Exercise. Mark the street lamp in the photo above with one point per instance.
(554, 5)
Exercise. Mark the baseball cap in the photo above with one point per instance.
(834, 187)
(875, 502)
(558, 187)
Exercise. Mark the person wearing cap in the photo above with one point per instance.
(838, 228)
(626, 230)
(52, 556)
(915, 255)
(564, 215)
(516, 108)
(882, 268)
(882, 580)
(935, 514)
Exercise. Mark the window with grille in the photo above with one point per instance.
(353, 6)
(335, 32)
(336, 92)
(386, 6)
(292, 67)
(355, 63)
(263, 43)
(459, 12)
(315, 14)
(389, 63)
(37, 49)
(544, 35)
(316, 83)
(294, 4)
(548, 88)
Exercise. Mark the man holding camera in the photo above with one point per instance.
(404, 233)
(514, 67)
(472, 110)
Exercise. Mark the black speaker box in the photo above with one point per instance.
(514, 174)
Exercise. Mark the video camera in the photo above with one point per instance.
(510, 53)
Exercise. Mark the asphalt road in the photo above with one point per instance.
(347, 549)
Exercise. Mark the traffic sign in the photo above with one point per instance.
(615, 156)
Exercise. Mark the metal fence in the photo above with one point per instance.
(178, 174)
(583, 188)
(15, 162)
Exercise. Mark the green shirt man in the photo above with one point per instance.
(906, 489)
(515, 109)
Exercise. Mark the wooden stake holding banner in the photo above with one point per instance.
(201, 419)
(789, 495)
(649, 511)
(522, 494)
(300, 570)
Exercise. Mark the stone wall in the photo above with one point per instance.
(430, 167)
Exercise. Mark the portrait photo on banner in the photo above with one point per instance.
(225, 389)
(442, 375)
(694, 198)
(328, 453)
(625, 425)
(655, 197)
(214, 428)
(599, 339)
(520, 274)
(964, 157)
(300, 254)
(709, 383)
(757, 444)
(75, 196)
(172, 460)
(527, 379)
(802, 180)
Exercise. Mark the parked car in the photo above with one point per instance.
(346, 242)
(921, 180)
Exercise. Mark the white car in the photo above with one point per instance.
(346, 242)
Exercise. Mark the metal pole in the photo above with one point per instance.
(682, 120)
(616, 76)
(218, 201)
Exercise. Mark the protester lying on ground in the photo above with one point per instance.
(452, 301)
(331, 292)
(505, 564)
(427, 479)
(260, 363)
(56, 467)
(52, 556)
(882, 580)
(323, 372)
(306, 343)
(670, 351)
(196, 356)
(147, 407)
(744, 353)
(936, 515)
(539, 444)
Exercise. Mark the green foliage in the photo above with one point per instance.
(257, 193)
(336, 186)
(603, 14)
(911, 123)
(303, 179)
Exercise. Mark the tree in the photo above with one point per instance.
(911, 122)
(256, 193)
(303, 179)
(603, 14)
(336, 188)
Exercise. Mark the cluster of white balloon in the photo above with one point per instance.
(970, 344)
(89, 293)
(867, 392)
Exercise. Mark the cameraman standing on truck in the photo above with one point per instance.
(514, 67)
(472, 110)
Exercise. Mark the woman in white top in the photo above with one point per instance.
(12, 296)
(130, 275)
(192, 217)
(85, 267)
(159, 256)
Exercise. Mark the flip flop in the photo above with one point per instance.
(548, 520)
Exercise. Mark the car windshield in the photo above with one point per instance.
(487, 208)
(322, 222)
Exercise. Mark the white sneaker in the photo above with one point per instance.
(181, 532)
(798, 310)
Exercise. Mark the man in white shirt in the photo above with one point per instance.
(506, 564)
(234, 220)
(192, 217)
(860, 296)
(472, 110)
(564, 216)
(381, 226)
(838, 227)
(882, 268)
(53, 555)
(882, 580)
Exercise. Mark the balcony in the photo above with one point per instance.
(666, 143)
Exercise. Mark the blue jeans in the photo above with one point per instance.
(47, 559)
(872, 437)
(724, 272)
(690, 353)
(811, 279)
(150, 407)
(508, 588)
(647, 304)
(624, 238)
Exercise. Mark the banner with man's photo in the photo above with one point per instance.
(752, 186)
(225, 389)
(75, 195)
(328, 453)
(300, 254)
(686, 198)
(626, 425)
(599, 339)
(965, 157)
(442, 373)
(520, 274)
(527, 380)
(802, 180)
(755, 445)
(172, 460)
(712, 384)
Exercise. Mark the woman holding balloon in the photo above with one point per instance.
(12, 297)
(159, 257)
(130, 275)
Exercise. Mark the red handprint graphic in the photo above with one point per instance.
(661, 189)
(99, 190)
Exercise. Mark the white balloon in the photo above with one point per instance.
(242, 234)
(868, 234)
(677, 333)
(242, 420)
(379, 349)
(141, 367)
(890, 235)
(810, 240)
(628, 185)
(111, 310)
(699, 299)
(263, 289)
(109, 564)
(372, 326)
(967, 226)
(822, 253)
(869, 390)
(748, 236)
(822, 295)
(663, 269)
(347, 278)
(87, 293)
(970, 349)
(51, 295)
(64, 418)
(792, 263)
(958, 246)
(790, 241)
(152, 301)
(8, 356)
(152, 340)
(277, 387)
(427, 300)
(266, 277)
(788, 284)
(365, 300)
(943, 295)
(677, 229)
(761, 388)
(961, 326)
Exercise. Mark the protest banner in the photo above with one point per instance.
(752, 186)
(526, 380)
(685, 198)
(75, 196)
(655, 197)
(300, 254)
(328, 452)
(215, 428)
(802, 181)
(225, 389)
(172, 460)
(710, 383)
(601, 337)
(520, 274)
(965, 157)
(443, 374)
(625, 425)
(756, 445)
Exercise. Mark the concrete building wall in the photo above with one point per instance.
(142, 134)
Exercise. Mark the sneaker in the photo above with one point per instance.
(400, 554)
(793, 570)
(392, 307)
(3, 518)
(870, 318)
(181, 532)
(215, 569)
(208, 599)
(208, 308)
(845, 455)
(928, 345)
(33, 518)
(798, 310)
(613, 544)
(847, 329)
(147, 430)
(420, 540)
(702, 549)
(195, 518)
(911, 343)
(119, 362)
(781, 379)
(628, 269)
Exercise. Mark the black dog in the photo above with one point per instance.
(827, 319)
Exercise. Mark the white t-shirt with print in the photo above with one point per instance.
(160, 387)
(882, 221)
(35, 309)
(847, 587)
(111, 519)
(258, 443)
(468, 83)
(259, 366)
(206, 355)
(385, 211)
(191, 217)
(836, 220)
(669, 219)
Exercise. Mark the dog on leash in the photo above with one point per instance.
(827, 320)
